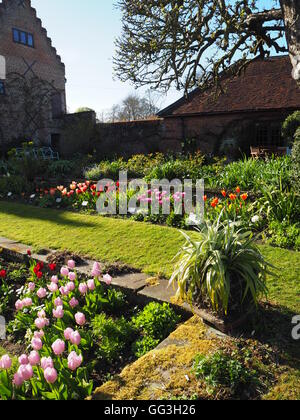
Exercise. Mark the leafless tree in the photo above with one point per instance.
(196, 42)
(133, 108)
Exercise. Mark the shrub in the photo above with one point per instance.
(156, 320)
(3, 167)
(60, 168)
(223, 269)
(284, 235)
(106, 169)
(15, 184)
(290, 126)
(296, 163)
(112, 336)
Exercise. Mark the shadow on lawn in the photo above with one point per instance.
(273, 327)
(36, 213)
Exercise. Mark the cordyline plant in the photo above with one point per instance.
(223, 268)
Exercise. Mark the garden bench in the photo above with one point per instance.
(264, 151)
(45, 153)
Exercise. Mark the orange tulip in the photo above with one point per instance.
(244, 197)
(238, 190)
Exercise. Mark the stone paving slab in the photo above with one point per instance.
(160, 292)
(4, 241)
(133, 282)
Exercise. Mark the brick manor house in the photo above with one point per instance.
(32, 87)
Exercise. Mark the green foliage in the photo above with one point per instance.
(112, 336)
(144, 345)
(279, 205)
(252, 174)
(106, 169)
(284, 235)
(156, 320)
(3, 167)
(224, 266)
(290, 126)
(116, 301)
(60, 168)
(296, 163)
(224, 370)
(15, 184)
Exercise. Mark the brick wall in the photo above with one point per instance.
(129, 138)
(35, 77)
(169, 134)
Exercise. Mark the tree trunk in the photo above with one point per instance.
(291, 12)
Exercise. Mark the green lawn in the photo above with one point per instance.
(151, 248)
(144, 246)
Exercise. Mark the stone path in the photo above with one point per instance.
(135, 284)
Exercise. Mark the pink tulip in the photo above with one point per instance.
(19, 305)
(42, 293)
(36, 344)
(31, 287)
(75, 338)
(72, 276)
(34, 358)
(58, 313)
(39, 334)
(71, 286)
(26, 372)
(42, 314)
(50, 374)
(46, 363)
(40, 323)
(64, 291)
(58, 302)
(71, 264)
(54, 279)
(52, 287)
(80, 319)
(23, 360)
(5, 362)
(73, 303)
(74, 361)
(58, 347)
(83, 288)
(64, 272)
(27, 302)
(91, 285)
(67, 333)
(96, 271)
(18, 380)
(108, 279)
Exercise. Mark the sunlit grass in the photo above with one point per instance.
(144, 246)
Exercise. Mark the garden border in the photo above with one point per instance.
(135, 285)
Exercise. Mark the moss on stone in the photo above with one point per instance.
(165, 371)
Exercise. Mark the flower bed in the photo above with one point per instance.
(72, 330)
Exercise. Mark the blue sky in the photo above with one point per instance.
(83, 33)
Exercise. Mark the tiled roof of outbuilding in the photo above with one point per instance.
(265, 85)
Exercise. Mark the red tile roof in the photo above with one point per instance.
(265, 85)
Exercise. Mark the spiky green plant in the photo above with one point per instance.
(224, 268)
